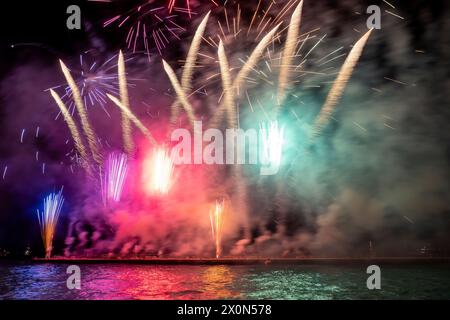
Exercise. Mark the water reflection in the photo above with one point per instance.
(122, 281)
(218, 282)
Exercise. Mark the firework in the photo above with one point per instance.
(133, 118)
(340, 83)
(82, 113)
(79, 146)
(94, 78)
(158, 172)
(126, 127)
(180, 92)
(147, 23)
(216, 218)
(115, 172)
(186, 77)
(48, 219)
(271, 140)
(289, 53)
(171, 6)
(245, 70)
(229, 99)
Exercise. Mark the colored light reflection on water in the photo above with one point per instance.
(122, 281)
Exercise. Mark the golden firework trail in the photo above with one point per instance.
(133, 118)
(229, 99)
(72, 127)
(254, 58)
(340, 83)
(186, 76)
(216, 219)
(180, 92)
(288, 54)
(126, 126)
(246, 69)
(90, 135)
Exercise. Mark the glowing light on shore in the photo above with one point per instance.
(216, 218)
(271, 141)
(158, 172)
(115, 172)
(48, 220)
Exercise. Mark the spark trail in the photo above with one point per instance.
(73, 129)
(216, 219)
(180, 92)
(188, 68)
(288, 54)
(133, 118)
(340, 83)
(229, 99)
(126, 126)
(115, 172)
(87, 129)
(245, 70)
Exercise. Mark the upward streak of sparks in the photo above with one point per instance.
(340, 83)
(126, 127)
(227, 88)
(72, 126)
(133, 118)
(82, 113)
(186, 77)
(245, 70)
(113, 179)
(180, 92)
(216, 218)
(288, 53)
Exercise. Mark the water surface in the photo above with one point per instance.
(127, 281)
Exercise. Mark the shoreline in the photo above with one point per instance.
(246, 261)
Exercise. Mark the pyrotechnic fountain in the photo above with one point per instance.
(216, 217)
(48, 220)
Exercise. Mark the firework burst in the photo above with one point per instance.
(95, 78)
(172, 6)
(148, 25)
